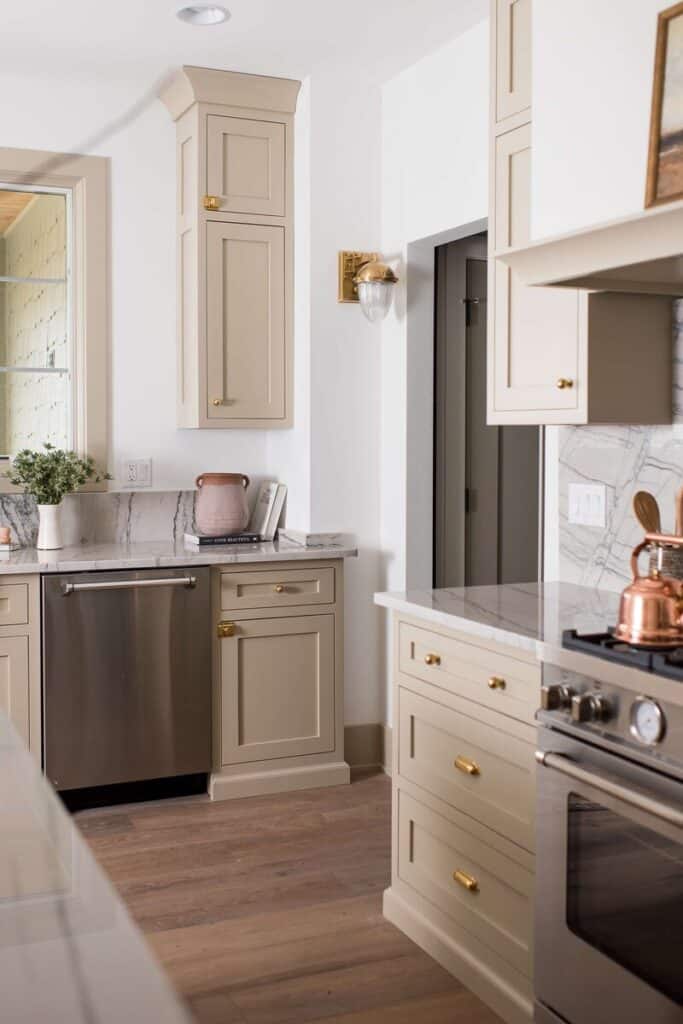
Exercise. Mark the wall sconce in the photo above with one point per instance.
(363, 278)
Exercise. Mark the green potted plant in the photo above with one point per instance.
(48, 476)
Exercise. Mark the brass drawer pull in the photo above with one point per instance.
(212, 203)
(465, 765)
(225, 629)
(432, 659)
(466, 881)
(564, 382)
(496, 683)
(217, 401)
(279, 589)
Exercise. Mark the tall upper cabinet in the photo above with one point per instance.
(556, 355)
(234, 152)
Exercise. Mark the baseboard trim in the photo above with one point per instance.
(279, 780)
(368, 746)
(508, 1004)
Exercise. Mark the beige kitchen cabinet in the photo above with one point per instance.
(512, 57)
(556, 355)
(234, 153)
(278, 678)
(463, 786)
(20, 686)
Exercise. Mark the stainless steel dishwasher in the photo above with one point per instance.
(126, 676)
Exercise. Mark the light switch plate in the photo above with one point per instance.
(587, 504)
(136, 473)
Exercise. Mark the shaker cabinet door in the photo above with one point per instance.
(513, 57)
(245, 323)
(245, 165)
(537, 336)
(277, 687)
(15, 683)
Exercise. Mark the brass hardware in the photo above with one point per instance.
(432, 659)
(466, 881)
(349, 265)
(564, 382)
(465, 765)
(496, 683)
(216, 401)
(279, 589)
(212, 203)
(225, 629)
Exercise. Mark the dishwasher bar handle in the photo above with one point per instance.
(631, 797)
(169, 581)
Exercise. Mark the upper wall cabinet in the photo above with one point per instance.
(234, 137)
(555, 355)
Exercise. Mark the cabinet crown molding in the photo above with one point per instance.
(230, 88)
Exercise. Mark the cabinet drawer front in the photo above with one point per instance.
(14, 683)
(14, 604)
(497, 910)
(277, 679)
(478, 768)
(495, 680)
(276, 588)
(245, 165)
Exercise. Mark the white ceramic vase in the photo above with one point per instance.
(49, 527)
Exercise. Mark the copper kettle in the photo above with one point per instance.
(651, 607)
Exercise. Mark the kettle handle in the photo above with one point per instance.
(634, 558)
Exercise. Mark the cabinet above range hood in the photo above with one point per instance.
(640, 254)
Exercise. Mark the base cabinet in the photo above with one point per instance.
(20, 689)
(278, 708)
(14, 683)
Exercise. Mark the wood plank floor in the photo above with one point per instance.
(269, 910)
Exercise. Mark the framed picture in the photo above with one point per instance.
(665, 163)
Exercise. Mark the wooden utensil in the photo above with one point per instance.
(679, 512)
(646, 511)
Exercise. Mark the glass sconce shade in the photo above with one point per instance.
(375, 299)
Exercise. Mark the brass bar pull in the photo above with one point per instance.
(212, 203)
(279, 589)
(496, 683)
(466, 881)
(564, 382)
(432, 659)
(225, 629)
(465, 765)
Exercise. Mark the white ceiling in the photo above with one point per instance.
(143, 38)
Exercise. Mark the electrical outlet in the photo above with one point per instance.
(136, 473)
(587, 504)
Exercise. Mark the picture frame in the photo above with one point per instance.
(665, 157)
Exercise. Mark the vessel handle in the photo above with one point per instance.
(634, 558)
(198, 481)
(245, 481)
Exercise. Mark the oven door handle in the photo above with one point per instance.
(632, 797)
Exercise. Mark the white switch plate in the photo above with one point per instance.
(136, 473)
(587, 504)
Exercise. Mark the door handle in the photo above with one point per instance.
(170, 581)
(641, 801)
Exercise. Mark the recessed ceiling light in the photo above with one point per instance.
(203, 14)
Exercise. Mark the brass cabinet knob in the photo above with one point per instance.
(496, 683)
(432, 659)
(564, 382)
(225, 629)
(279, 589)
(466, 881)
(216, 401)
(212, 203)
(466, 766)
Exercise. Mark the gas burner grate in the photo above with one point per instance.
(606, 646)
(669, 665)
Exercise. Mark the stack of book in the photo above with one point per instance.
(263, 524)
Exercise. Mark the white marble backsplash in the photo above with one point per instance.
(113, 517)
(625, 460)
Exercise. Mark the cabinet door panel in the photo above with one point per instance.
(245, 166)
(246, 344)
(513, 57)
(14, 682)
(278, 688)
(538, 333)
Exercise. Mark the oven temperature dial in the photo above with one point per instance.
(647, 721)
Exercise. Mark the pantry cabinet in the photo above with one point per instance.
(556, 355)
(234, 145)
(278, 678)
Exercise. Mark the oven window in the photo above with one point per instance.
(625, 894)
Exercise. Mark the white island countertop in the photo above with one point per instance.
(161, 554)
(521, 615)
(69, 951)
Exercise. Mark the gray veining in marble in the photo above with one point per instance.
(625, 460)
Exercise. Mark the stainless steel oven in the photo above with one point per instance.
(609, 871)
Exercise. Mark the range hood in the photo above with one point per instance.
(641, 254)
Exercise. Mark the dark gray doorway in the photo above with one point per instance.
(486, 478)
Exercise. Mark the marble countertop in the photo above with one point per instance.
(69, 951)
(521, 615)
(161, 554)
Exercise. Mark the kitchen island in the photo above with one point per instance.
(69, 951)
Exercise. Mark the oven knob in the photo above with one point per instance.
(556, 698)
(590, 707)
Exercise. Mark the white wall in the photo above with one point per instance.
(592, 87)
